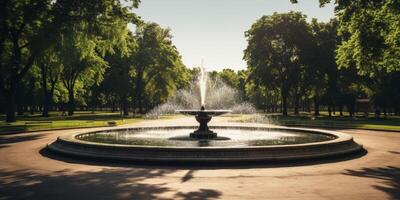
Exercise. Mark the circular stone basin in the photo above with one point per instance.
(234, 143)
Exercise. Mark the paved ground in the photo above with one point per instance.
(29, 172)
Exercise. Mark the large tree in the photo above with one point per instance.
(159, 70)
(50, 67)
(323, 65)
(22, 24)
(118, 81)
(82, 63)
(277, 50)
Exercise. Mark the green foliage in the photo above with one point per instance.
(159, 71)
(277, 49)
(80, 58)
(370, 32)
(29, 28)
(230, 77)
(368, 45)
(52, 52)
(322, 62)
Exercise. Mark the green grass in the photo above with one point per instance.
(391, 123)
(88, 119)
(56, 121)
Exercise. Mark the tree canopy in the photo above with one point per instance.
(276, 49)
(28, 28)
(370, 32)
(68, 55)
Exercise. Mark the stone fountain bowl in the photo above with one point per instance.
(340, 144)
(208, 112)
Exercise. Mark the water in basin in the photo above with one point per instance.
(227, 137)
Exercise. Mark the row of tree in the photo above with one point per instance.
(60, 55)
(332, 63)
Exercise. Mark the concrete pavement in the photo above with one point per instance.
(29, 172)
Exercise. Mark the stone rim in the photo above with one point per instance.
(342, 144)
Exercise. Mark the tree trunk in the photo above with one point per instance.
(113, 106)
(71, 102)
(316, 106)
(46, 103)
(284, 103)
(308, 106)
(334, 109)
(140, 103)
(32, 103)
(45, 112)
(10, 106)
(341, 110)
(384, 110)
(125, 106)
(296, 104)
(139, 90)
(330, 110)
(351, 109)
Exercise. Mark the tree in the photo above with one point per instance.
(50, 67)
(118, 81)
(350, 87)
(21, 24)
(81, 63)
(230, 77)
(323, 65)
(243, 76)
(159, 71)
(370, 30)
(277, 45)
(28, 28)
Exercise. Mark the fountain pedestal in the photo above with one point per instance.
(203, 117)
(203, 132)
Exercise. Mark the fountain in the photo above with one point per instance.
(203, 143)
(203, 116)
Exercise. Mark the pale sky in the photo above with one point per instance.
(213, 30)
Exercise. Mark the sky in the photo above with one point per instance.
(213, 30)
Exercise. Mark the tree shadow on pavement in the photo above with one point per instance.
(187, 176)
(103, 184)
(199, 195)
(7, 140)
(389, 175)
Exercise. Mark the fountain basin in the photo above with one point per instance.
(332, 144)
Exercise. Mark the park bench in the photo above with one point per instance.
(38, 122)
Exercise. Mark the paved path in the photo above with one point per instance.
(28, 172)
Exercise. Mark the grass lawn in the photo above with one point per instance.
(56, 121)
(390, 123)
(97, 119)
